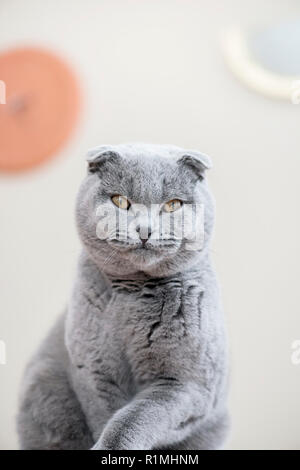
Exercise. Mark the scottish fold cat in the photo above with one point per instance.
(139, 359)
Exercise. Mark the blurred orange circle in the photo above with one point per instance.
(39, 106)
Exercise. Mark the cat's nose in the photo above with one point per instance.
(144, 233)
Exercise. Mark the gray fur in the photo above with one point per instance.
(139, 360)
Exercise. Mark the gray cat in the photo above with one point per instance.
(139, 360)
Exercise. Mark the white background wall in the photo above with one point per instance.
(152, 70)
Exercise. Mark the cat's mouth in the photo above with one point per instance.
(150, 246)
(147, 254)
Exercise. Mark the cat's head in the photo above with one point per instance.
(145, 209)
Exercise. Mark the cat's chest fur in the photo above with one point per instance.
(141, 329)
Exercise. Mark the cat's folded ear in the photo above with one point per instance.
(98, 156)
(197, 161)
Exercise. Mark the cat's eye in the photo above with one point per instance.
(172, 206)
(121, 202)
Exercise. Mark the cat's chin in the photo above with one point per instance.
(143, 257)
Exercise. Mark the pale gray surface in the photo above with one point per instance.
(153, 72)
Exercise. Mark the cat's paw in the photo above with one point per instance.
(100, 445)
(115, 442)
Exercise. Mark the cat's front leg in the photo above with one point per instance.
(162, 414)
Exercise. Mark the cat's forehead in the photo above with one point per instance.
(149, 179)
(148, 173)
